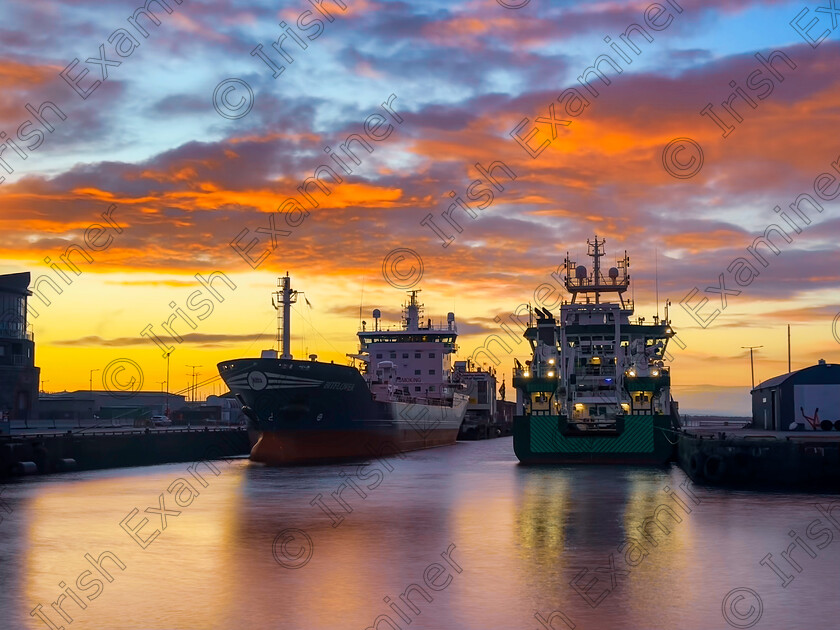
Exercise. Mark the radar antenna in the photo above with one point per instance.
(582, 282)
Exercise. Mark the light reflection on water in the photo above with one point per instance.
(521, 536)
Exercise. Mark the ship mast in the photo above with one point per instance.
(413, 311)
(595, 252)
(285, 298)
(582, 282)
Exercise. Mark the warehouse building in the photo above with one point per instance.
(804, 400)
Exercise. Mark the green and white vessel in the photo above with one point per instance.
(597, 389)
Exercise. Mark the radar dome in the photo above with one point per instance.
(376, 313)
(613, 272)
(580, 272)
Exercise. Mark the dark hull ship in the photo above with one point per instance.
(401, 398)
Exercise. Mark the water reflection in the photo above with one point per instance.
(65, 521)
(530, 541)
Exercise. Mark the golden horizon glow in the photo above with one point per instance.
(78, 333)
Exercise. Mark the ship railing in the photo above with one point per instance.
(536, 371)
(569, 308)
(596, 282)
(414, 400)
(663, 370)
(400, 328)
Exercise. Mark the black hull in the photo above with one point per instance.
(307, 411)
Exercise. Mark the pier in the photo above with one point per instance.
(758, 457)
(792, 439)
(44, 451)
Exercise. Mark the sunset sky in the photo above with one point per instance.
(187, 181)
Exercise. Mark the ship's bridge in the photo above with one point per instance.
(414, 330)
(421, 335)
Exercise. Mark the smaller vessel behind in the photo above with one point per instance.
(398, 395)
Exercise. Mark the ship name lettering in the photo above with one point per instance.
(344, 387)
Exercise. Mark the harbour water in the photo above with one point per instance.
(468, 537)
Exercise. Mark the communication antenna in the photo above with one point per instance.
(361, 301)
(656, 258)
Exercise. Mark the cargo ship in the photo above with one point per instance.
(597, 389)
(396, 395)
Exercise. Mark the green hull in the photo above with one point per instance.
(639, 439)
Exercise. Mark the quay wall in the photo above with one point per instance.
(784, 462)
(61, 452)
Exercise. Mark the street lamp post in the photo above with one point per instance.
(193, 381)
(752, 369)
(168, 354)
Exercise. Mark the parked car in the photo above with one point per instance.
(161, 421)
